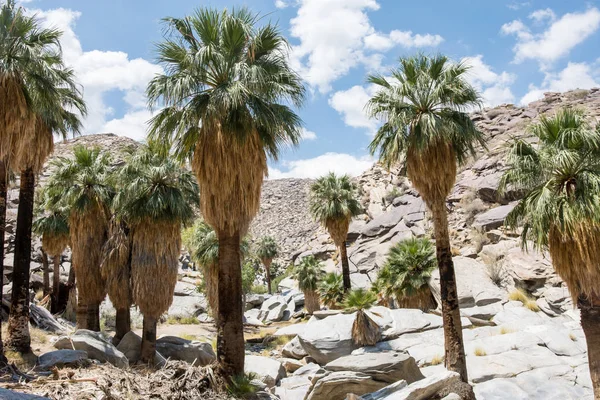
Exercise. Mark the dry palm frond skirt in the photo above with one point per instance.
(432, 170)
(312, 301)
(33, 146)
(211, 280)
(422, 300)
(338, 229)
(154, 265)
(230, 174)
(13, 115)
(88, 234)
(576, 258)
(54, 245)
(365, 331)
(115, 266)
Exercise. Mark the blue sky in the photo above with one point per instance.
(518, 49)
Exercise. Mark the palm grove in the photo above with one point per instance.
(225, 104)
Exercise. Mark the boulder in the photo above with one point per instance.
(291, 330)
(294, 349)
(6, 394)
(529, 270)
(255, 300)
(337, 385)
(272, 310)
(386, 366)
(191, 305)
(63, 358)
(384, 222)
(184, 289)
(519, 317)
(193, 352)
(266, 369)
(94, 345)
(329, 338)
(291, 364)
(131, 344)
(493, 218)
(423, 389)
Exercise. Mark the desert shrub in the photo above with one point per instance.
(258, 289)
(480, 352)
(471, 205)
(478, 240)
(437, 360)
(496, 272)
(578, 94)
(392, 194)
(241, 387)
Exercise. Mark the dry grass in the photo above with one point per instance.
(23, 361)
(523, 297)
(179, 320)
(478, 240)
(496, 272)
(479, 352)
(437, 360)
(38, 335)
(155, 253)
(505, 330)
(455, 251)
(572, 337)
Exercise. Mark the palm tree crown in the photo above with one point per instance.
(333, 202)
(267, 248)
(224, 91)
(308, 273)
(561, 210)
(331, 289)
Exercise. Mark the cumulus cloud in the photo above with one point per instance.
(100, 72)
(559, 38)
(494, 87)
(335, 36)
(308, 135)
(574, 76)
(340, 163)
(350, 104)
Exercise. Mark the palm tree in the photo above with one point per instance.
(331, 290)
(561, 210)
(81, 186)
(424, 108)
(53, 228)
(225, 92)
(155, 198)
(333, 202)
(267, 250)
(365, 331)
(116, 272)
(406, 274)
(308, 273)
(203, 245)
(38, 98)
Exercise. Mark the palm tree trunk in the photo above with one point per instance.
(82, 317)
(3, 199)
(71, 278)
(455, 351)
(46, 271)
(122, 324)
(93, 317)
(56, 283)
(148, 350)
(345, 266)
(311, 301)
(18, 321)
(268, 272)
(230, 333)
(211, 279)
(590, 322)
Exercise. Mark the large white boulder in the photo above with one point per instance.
(388, 366)
(338, 385)
(266, 369)
(96, 347)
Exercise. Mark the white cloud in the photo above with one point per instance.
(339, 163)
(560, 37)
(280, 4)
(494, 87)
(308, 135)
(336, 36)
(516, 5)
(574, 76)
(100, 72)
(542, 15)
(350, 104)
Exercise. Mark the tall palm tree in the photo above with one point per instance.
(203, 245)
(308, 273)
(225, 91)
(561, 210)
(81, 185)
(406, 272)
(53, 227)
(116, 271)
(333, 202)
(424, 108)
(365, 331)
(156, 197)
(39, 98)
(331, 290)
(267, 250)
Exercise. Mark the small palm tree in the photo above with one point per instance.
(156, 197)
(54, 230)
(365, 331)
(561, 209)
(267, 250)
(226, 98)
(82, 186)
(116, 272)
(38, 98)
(331, 290)
(308, 273)
(406, 274)
(333, 202)
(425, 124)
